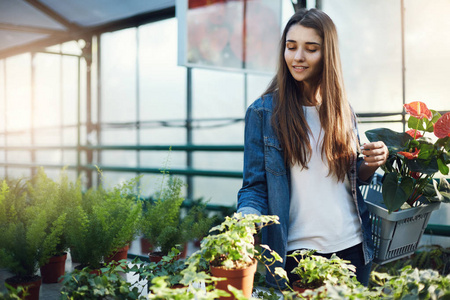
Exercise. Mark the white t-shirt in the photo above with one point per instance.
(322, 213)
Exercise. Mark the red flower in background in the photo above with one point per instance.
(414, 133)
(418, 110)
(442, 126)
(415, 175)
(410, 155)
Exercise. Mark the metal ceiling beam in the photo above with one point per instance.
(87, 32)
(52, 14)
(31, 29)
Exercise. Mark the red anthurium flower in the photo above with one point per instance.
(418, 110)
(414, 133)
(442, 126)
(415, 175)
(410, 155)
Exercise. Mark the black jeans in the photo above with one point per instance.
(354, 254)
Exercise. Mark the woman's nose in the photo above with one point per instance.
(299, 55)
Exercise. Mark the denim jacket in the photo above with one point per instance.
(266, 184)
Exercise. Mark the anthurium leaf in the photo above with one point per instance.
(442, 190)
(443, 168)
(394, 194)
(429, 124)
(395, 141)
(423, 166)
(415, 123)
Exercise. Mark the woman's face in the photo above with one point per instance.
(303, 53)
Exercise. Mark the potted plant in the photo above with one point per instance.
(28, 236)
(83, 284)
(161, 223)
(231, 252)
(414, 159)
(412, 284)
(408, 191)
(104, 222)
(314, 270)
(55, 197)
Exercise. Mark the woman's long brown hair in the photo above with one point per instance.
(335, 114)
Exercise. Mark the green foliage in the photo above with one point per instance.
(82, 284)
(169, 266)
(412, 163)
(412, 284)
(31, 228)
(14, 294)
(427, 257)
(314, 270)
(233, 245)
(197, 222)
(161, 222)
(104, 221)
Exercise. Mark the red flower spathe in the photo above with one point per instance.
(410, 155)
(442, 126)
(413, 132)
(418, 110)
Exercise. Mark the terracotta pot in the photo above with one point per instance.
(120, 254)
(242, 279)
(54, 269)
(146, 246)
(33, 283)
(183, 252)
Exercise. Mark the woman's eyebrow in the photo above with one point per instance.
(312, 43)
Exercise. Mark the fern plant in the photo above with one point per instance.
(105, 221)
(29, 235)
(161, 217)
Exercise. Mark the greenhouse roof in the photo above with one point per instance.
(27, 25)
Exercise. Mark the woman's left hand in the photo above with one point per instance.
(375, 154)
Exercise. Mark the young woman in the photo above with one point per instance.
(301, 157)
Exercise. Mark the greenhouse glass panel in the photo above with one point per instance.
(47, 90)
(219, 192)
(49, 157)
(427, 53)
(118, 73)
(370, 52)
(220, 133)
(18, 172)
(256, 85)
(163, 135)
(162, 83)
(69, 136)
(163, 160)
(69, 158)
(70, 90)
(18, 92)
(224, 161)
(48, 137)
(223, 97)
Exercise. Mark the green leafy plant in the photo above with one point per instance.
(169, 266)
(197, 222)
(234, 245)
(433, 257)
(314, 270)
(29, 235)
(412, 284)
(105, 221)
(161, 221)
(12, 293)
(414, 159)
(110, 284)
(56, 199)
